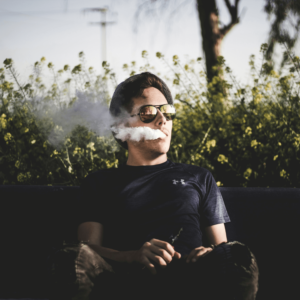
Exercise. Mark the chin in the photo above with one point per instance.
(161, 148)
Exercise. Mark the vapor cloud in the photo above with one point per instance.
(93, 113)
(137, 133)
(88, 110)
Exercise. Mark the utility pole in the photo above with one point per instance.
(103, 24)
(66, 6)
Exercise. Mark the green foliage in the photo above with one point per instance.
(26, 155)
(247, 136)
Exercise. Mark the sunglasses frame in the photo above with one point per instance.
(157, 107)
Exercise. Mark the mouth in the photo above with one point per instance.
(164, 133)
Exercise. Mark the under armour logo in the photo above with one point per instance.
(177, 181)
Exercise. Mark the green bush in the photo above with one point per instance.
(247, 136)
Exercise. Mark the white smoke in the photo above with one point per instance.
(88, 110)
(137, 133)
(92, 112)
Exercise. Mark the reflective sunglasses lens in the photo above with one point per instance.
(148, 114)
(169, 111)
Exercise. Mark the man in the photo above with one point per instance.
(129, 216)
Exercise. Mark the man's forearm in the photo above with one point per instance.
(120, 256)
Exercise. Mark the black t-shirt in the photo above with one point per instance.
(138, 203)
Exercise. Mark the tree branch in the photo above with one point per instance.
(233, 10)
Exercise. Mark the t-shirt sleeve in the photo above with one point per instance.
(212, 208)
(91, 205)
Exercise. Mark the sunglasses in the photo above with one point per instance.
(149, 112)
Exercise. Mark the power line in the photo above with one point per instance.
(4, 11)
(103, 24)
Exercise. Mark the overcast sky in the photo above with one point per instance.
(58, 30)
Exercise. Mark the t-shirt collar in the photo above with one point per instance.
(164, 165)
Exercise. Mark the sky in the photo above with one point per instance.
(58, 30)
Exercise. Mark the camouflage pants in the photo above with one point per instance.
(77, 272)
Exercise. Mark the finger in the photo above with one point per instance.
(165, 245)
(200, 255)
(194, 253)
(176, 254)
(191, 256)
(150, 267)
(207, 252)
(162, 253)
(157, 259)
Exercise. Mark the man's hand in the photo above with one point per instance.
(157, 251)
(196, 253)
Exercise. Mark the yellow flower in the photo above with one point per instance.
(275, 157)
(3, 121)
(279, 143)
(283, 173)
(268, 86)
(21, 177)
(219, 183)
(257, 98)
(67, 141)
(91, 145)
(77, 150)
(259, 126)
(248, 130)
(222, 158)
(33, 141)
(26, 130)
(8, 137)
(254, 143)
(247, 173)
(211, 143)
(296, 142)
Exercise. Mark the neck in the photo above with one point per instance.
(136, 158)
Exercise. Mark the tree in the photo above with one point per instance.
(283, 11)
(212, 32)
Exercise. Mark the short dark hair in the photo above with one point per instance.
(134, 87)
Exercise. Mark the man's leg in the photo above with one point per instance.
(227, 271)
(73, 270)
(77, 272)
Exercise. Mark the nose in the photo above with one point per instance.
(160, 118)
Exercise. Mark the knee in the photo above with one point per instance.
(235, 269)
(89, 260)
(73, 270)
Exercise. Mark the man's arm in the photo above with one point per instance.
(216, 234)
(92, 233)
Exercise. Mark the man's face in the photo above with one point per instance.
(151, 96)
